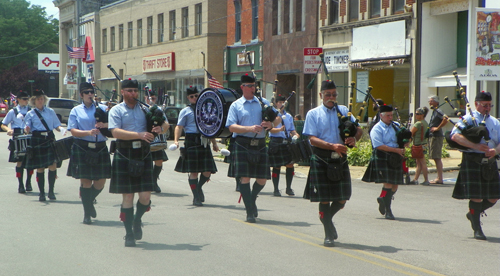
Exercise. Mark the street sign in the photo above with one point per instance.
(48, 62)
(31, 80)
(312, 60)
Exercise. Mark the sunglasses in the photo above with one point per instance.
(88, 91)
(193, 96)
(249, 85)
(418, 113)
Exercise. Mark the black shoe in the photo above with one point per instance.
(197, 202)
(92, 211)
(129, 240)
(137, 226)
(51, 196)
(277, 193)
(328, 242)
(389, 215)
(250, 218)
(381, 205)
(28, 187)
(41, 197)
(87, 220)
(478, 234)
(21, 189)
(289, 192)
(157, 189)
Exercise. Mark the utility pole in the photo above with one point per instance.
(78, 62)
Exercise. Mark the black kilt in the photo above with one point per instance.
(279, 155)
(195, 158)
(43, 154)
(159, 155)
(242, 168)
(121, 182)
(321, 188)
(80, 167)
(384, 167)
(476, 180)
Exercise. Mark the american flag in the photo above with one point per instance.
(212, 82)
(12, 97)
(76, 52)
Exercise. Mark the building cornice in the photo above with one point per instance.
(368, 22)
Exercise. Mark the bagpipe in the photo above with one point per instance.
(154, 114)
(100, 115)
(268, 112)
(403, 133)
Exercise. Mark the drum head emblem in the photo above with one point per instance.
(209, 113)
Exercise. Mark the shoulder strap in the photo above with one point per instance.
(15, 111)
(42, 120)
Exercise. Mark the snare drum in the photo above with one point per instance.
(159, 143)
(21, 142)
(63, 148)
(211, 111)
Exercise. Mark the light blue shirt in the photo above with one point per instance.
(289, 126)
(323, 123)
(82, 118)
(123, 117)
(48, 114)
(12, 119)
(492, 124)
(245, 112)
(383, 134)
(186, 120)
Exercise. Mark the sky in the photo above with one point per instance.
(49, 7)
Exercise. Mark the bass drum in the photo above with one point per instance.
(211, 111)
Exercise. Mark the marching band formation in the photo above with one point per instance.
(331, 129)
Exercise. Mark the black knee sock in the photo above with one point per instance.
(203, 180)
(141, 209)
(256, 188)
(127, 216)
(475, 210)
(19, 175)
(276, 178)
(336, 206)
(192, 184)
(290, 172)
(156, 173)
(85, 194)
(52, 180)
(28, 176)
(95, 192)
(486, 204)
(246, 194)
(40, 178)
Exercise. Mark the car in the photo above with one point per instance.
(172, 114)
(62, 107)
(4, 109)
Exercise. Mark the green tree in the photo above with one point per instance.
(25, 31)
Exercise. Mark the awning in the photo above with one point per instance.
(447, 79)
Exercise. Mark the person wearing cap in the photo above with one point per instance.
(90, 161)
(196, 157)
(15, 117)
(329, 176)
(40, 122)
(436, 137)
(478, 178)
(158, 156)
(386, 165)
(246, 121)
(375, 118)
(279, 155)
(132, 168)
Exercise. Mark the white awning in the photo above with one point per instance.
(447, 79)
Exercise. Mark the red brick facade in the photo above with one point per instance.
(246, 21)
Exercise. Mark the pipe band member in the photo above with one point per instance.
(329, 176)
(90, 161)
(158, 156)
(279, 154)
(478, 178)
(41, 122)
(15, 117)
(196, 158)
(132, 169)
(386, 162)
(249, 154)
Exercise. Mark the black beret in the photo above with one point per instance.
(22, 94)
(328, 84)
(38, 93)
(483, 96)
(247, 79)
(130, 83)
(280, 98)
(385, 108)
(191, 90)
(85, 86)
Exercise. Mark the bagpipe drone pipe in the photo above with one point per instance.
(268, 112)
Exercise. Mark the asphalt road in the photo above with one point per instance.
(430, 235)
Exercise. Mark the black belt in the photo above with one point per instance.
(193, 137)
(279, 140)
(90, 145)
(251, 142)
(131, 144)
(478, 157)
(323, 153)
(44, 134)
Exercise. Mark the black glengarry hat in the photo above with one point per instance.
(152, 93)
(38, 93)
(22, 94)
(280, 98)
(483, 96)
(247, 79)
(191, 90)
(85, 86)
(130, 83)
(328, 84)
(385, 108)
